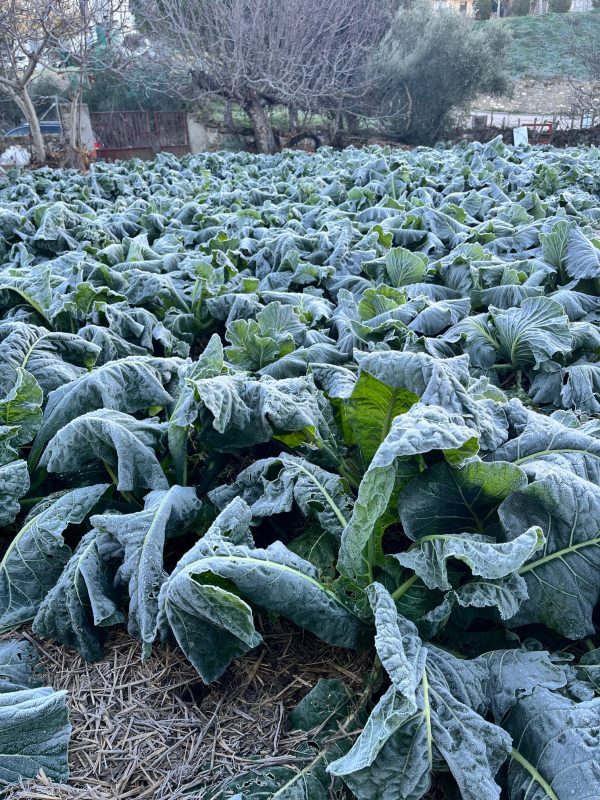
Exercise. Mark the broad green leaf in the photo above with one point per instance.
(485, 558)
(434, 319)
(563, 578)
(32, 285)
(516, 673)
(577, 305)
(408, 377)
(112, 346)
(477, 339)
(14, 484)
(538, 438)
(589, 668)
(272, 485)
(318, 547)
(423, 429)
(582, 258)
(554, 244)
(34, 735)
(142, 537)
(445, 500)
(121, 442)
(52, 357)
(413, 731)
(398, 644)
(206, 602)
(556, 745)
(502, 596)
(21, 408)
(398, 267)
(14, 476)
(130, 386)
(533, 333)
(235, 411)
(35, 558)
(273, 334)
(371, 409)
(18, 664)
(389, 384)
(81, 600)
(581, 388)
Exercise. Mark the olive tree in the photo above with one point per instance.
(432, 63)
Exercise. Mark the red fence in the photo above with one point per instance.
(139, 134)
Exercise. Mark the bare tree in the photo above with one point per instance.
(24, 39)
(304, 54)
(50, 37)
(91, 33)
(584, 48)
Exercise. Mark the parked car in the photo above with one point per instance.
(48, 129)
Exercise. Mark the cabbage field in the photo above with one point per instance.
(356, 390)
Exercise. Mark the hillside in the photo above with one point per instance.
(541, 44)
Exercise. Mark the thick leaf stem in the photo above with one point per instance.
(404, 587)
(347, 474)
(326, 495)
(534, 774)
(125, 495)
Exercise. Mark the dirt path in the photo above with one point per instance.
(534, 98)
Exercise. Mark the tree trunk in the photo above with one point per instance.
(352, 124)
(75, 122)
(228, 115)
(335, 129)
(74, 151)
(264, 137)
(293, 118)
(23, 100)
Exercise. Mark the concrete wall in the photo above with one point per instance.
(209, 138)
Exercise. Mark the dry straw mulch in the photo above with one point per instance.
(154, 731)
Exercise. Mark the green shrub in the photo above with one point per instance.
(483, 9)
(433, 63)
(559, 6)
(520, 8)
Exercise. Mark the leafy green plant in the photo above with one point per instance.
(559, 6)
(520, 8)
(355, 390)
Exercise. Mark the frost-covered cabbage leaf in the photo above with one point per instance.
(128, 386)
(35, 558)
(82, 600)
(142, 536)
(206, 601)
(125, 445)
(272, 485)
(430, 716)
(423, 429)
(563, 578)
(34, 734)
(14, 476)
(556, 743)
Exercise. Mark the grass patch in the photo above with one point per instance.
(541, 46)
